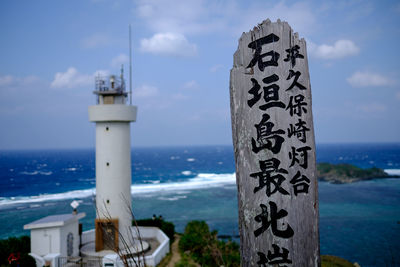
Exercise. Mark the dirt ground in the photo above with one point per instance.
(176, 256)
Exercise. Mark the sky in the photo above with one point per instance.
(183, 51)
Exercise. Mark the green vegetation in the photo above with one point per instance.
(21, 246)
(167, 227)
(333, 261)
(204, 247)
(186, 261)
(346, 173)
(200, 247)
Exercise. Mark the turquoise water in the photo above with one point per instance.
(361, 221)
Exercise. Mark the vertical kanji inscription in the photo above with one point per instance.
(273, 136)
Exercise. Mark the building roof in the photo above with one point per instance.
(54, 221)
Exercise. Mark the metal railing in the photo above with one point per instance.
(109, 83)
(82, 262)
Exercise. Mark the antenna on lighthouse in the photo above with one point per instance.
(130, 66)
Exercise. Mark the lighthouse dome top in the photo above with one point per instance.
(110, 89)
(110, 85)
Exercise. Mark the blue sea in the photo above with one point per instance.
(359, 222)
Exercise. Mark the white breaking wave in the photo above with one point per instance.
(47, 197)
(37, 172)
(174, 198)
(201, 181)
(392, 171)
(30, 173)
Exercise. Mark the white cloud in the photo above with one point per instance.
(368, 79)
(72, 78)
(190, 85)
(96, 40)
(119, 60)
(9, 80)
(6, 80)
(170, 44)
(340, 49)
(145, 91)
(179, 16)
(179, 97)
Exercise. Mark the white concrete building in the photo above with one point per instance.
(55, 236)
(113, 162)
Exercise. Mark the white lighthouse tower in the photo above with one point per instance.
(113, 162)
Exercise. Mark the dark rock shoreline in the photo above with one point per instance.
(347, 173)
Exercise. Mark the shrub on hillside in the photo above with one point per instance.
(333, 261)
(205, 248)
(18, 246)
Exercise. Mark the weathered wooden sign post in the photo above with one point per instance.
(273, 137)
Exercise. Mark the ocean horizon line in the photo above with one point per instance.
(194, 146)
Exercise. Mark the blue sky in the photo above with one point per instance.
(182, 55)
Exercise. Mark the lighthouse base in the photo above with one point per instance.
(88, 250)
(155, 250)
